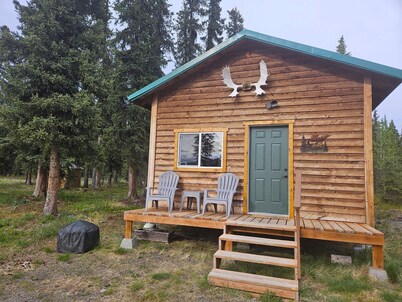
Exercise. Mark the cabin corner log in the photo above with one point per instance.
(368, 150)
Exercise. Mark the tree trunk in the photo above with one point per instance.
(53, 183)
(98, 179)
(93, 178)
(86, 178)
(45, 178)
(28, 177)
(115, 177)
(131, 181)
(109, 180)
(40, 183)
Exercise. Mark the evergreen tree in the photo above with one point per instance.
(235, 23)
(50, 108)
(188, 28)
(387, 157)
(142, 43)
(341, 48)
(214, 24)
(376, 150)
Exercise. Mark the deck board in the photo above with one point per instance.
(340, 231)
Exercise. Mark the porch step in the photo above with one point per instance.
(256, 225)
(259, 241)
(254, 283)
(268, 260)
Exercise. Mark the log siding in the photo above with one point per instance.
(321, 97)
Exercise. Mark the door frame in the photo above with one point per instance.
(256, 124)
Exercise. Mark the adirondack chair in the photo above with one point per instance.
(166, 190)
(227, 185)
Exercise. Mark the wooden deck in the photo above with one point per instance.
(312, 228)
(237, 229)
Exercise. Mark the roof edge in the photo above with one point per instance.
(294, 46)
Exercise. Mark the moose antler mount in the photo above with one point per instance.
(227, 79)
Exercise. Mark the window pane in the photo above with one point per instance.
(211, 149)
(188, 149)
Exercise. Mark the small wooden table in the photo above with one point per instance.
(191, 194)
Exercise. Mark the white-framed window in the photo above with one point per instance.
(202, 149)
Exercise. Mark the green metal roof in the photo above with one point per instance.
(252, 35)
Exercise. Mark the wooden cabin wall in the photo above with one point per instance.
(321, 97)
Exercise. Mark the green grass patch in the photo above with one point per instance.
(48, 250)
(17, 275)
(389, 296)
(120, 251)
(64, 257)
(269, 297)
(203, 282)
(136, 286)
(161, 276)
(347, 284)
(38, 262)
(393, 268)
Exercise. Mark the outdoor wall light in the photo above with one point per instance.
(271, 104)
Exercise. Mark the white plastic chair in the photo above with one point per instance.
(166, 190)
(227, 185)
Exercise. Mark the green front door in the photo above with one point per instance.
(268, 170)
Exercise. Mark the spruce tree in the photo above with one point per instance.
(341, 48)
(214, 25)
(188, 28)
(235, 23)
(142, 43)
(387, 158)
(50, 109)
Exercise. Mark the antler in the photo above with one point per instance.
(263, 78)
(227, 79)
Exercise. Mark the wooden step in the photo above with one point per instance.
(247, 224)
(259, 241)
(269, 260)
(254, 283)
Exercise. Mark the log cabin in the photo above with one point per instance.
(301, 147)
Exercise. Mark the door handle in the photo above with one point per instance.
(286, 173)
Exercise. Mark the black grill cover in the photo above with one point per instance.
(78, 237)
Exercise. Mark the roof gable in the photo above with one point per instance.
(361, 64)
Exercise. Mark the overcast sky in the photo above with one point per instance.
(372, 29)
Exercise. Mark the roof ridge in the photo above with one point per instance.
(279, 42)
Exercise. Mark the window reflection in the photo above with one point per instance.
(188, 149)
(208, 154)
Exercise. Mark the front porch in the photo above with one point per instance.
(310, 227)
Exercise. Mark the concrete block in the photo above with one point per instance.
(129, 243)
(377, 275)
(341, 259)
(243, 246)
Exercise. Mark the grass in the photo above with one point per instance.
(64, 257)
(161, 276)
(268, 297)
(348, 284)
(136, 286)
(120, 251)
(156, 271)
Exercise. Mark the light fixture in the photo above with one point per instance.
(271, 104)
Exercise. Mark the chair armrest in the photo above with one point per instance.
(149, 190)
